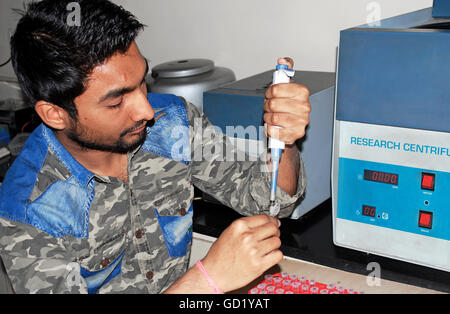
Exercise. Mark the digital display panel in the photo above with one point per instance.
(382, 177)
(368, 211)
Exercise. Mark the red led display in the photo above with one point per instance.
(368, 211)
(382, 177)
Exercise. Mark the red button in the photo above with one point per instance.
(428, 181)
(425, 219)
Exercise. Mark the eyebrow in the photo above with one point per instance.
(122, 91)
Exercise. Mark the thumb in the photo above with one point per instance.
(287, 61)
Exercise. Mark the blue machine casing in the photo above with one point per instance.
(395, 74)
(441, 8)
(392, 117)
(241, 104)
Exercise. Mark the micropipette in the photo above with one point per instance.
(282, 74)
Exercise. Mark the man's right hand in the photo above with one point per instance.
(247, 248)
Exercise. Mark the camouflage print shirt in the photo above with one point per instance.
(66, 230)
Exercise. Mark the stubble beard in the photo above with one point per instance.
(86, 139)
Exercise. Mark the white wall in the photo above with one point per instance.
(8, 21)
(249, 35)
(244, 35)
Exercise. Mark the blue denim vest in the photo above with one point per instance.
(63, 209)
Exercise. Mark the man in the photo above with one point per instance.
(97, 201)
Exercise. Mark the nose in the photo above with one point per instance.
(141, 109)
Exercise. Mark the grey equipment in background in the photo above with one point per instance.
(188, 78)
(240, 104)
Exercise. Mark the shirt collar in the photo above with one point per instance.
(81, 174)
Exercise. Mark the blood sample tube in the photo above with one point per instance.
(305, 289)
(270, 289)
(254, 291)
(277, 281)
(314, 290)
(295, 286)
(261, 286)
(279, 291)
(286, 283)
(268, 278)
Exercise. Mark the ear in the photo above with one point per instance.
(52, 115)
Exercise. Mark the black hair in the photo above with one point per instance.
(53, 53)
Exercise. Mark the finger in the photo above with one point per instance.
(288, 90)
(287, 135)
(271, 258)
(268, 245)
(266, 231)
(287, 105)
(286, 120)
(259, 220)
(286, 61)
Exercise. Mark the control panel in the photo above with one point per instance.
(396, 197)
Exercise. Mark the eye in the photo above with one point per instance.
(115, 106)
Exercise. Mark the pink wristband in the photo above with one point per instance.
(208, 277)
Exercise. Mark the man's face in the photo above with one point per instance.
(114, 110)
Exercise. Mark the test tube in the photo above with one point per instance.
(341, 290)
(305, 289)
(302, 280)
(293, 277)
(331, 286)
(285, 275)
(254, 291)
(314, 290)
(295, 286)
(270, 289)
(268, 278)
(279, 291)
(277, 281)
(261, 286)
(286, 283)
(312, 282)
(324, 291)
(289, 292)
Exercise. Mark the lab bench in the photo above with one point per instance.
(309, 251)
